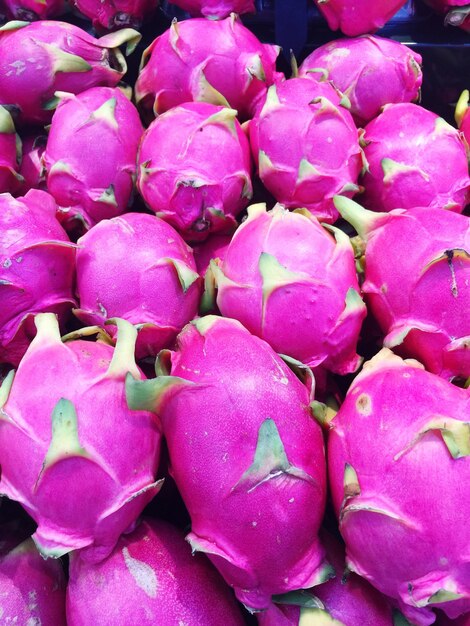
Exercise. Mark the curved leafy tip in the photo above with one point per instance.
(123, 360)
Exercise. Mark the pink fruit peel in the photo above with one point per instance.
(216, 61)
(156, 288)
(82, 190)
(402, 426)
(404, 148)
(306, 146)
(417, 282)
(181, 178)
(65, 441)
(252, 477)
(293, 283)
(371, 71)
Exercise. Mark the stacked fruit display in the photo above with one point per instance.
(234, 310)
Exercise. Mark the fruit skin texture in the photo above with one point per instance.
(292, 283)
(214, 247)
(56, 56)
(246, 455)
(30, 10)
(417, 282)
(37, 269)
(33, 589)
(370, 71)
(346, 600)
(215, 9)
(217, 61)
(357, 17)
(306, 147)
(32, 166)
(10, 153)
(112, 14)
(195, 169)
(404, 147)
(65, 434)
(149, 578)
(398, 455)
(156, 287)
(462, 115)
(83, 190)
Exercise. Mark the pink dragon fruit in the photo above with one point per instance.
(357, 17)
(10, 153)
(415, 158)
(292, 283)
(76, 458)
(346, 599)
(457, 12)
(83, 190)
(398, 456)
(111, 14)
(462, 115)
(214, 247)
(246, 455)
(37, 269)
(420, 300)
(30, 10)
(370, 71)
(215, 9)
(40, 58)
(157, 287)
(150, 578)
(306, 146)
(32, 166)
(182, 179)
(33, 590)
(220, 62)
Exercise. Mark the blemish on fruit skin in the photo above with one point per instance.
(363, 404)
(384, 288)
(142, 573)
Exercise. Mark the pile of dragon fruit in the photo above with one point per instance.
(234, 323)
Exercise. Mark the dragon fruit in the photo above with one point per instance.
(292, 283)
(32, 166)
(214, 247)
(246, 455)
(150, 578)
(220, 62)
(157, 287)
(10, 153)
(37, 269)
(462, 115)
(83, 190)
(33, 590)
(30, 10)
(215, 9)
(398, 456)
(40, 58)
(306, 146)
(370, 71)
(415, 158)
(111, 14)
(457, 12)
(77, 459)
(357, 17)
(421, 299)
(182, 179)
(346, 599)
